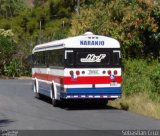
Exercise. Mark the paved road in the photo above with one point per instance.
(20, 110)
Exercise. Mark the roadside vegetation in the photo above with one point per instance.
(141, 88)
(135, 23)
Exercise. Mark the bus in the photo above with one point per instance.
(82, 67)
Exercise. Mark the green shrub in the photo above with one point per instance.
(135, 77)
(13, 69)
(8, 49)
(155, 79)
(142, 76)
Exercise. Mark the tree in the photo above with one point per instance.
(38, 3)
(8, 49)
(136, 28)
(11, 8)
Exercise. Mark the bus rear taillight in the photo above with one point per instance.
(115, 72)
(71, 73)
(77, 73)
(109, 72)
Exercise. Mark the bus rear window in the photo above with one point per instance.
(92, 58)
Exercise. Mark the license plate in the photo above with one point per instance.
(93, 72)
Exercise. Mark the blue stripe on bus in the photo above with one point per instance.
(116, 90)
(44, 91)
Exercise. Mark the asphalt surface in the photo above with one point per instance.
(19, 110)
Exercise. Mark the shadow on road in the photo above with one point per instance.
(81, 104)
(5, 122)
(86, 105)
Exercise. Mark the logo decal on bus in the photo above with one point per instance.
(93, 58)
(101, 43)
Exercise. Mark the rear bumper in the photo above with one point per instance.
(92, 93)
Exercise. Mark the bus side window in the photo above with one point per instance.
(116, 57)
(43, 58)
(47, 58)
(55, 58)
(51, 58)
(34, 59)
(60, 58)
(38, 59)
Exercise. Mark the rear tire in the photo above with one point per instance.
(55, 102)
(37, 95)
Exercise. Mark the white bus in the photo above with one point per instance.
(82, 67)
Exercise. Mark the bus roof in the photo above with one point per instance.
(87, 40)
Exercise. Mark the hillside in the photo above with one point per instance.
(136, 28)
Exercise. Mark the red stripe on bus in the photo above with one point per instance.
(79, 80)
(47, 77)
(91, 80)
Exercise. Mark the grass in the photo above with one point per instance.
(138, 103)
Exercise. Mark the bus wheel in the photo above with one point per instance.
(37, 95)
(54, 101)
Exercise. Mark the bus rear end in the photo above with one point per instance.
(92, 73)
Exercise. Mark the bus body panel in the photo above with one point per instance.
(83, 86)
